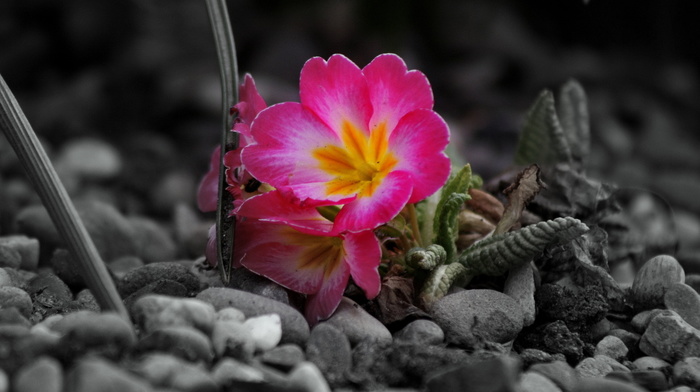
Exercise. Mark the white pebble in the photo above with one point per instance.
(266, 330)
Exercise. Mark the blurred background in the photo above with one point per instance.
(125, 94)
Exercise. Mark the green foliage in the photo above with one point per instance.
(497, 254)
(542, 140)
(573, 115)
(452, 197)
(440, 281)
(426, 258)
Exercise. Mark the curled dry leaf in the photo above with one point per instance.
(395, 302)
(485, 204)
(525, 187)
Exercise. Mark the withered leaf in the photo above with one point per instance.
(525, 187)
(485, 204)
(395, 301)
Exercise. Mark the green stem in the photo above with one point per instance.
(413, 217)
(228, 70)
(59, 206)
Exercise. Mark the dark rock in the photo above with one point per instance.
(471, 317)
(149, 273)
(153, 242)
(185, 342)
(606, 385)
(66, 268)
(43, 374)
(18, 346)
(248, 281)
(329, 348)
(555, 338)
(105, 333)
(122, 265)
(294, 327)
(165, 287)
(653, 380)
(284, 357)
(93, 373)
(496, 374)
(578, 310)
(50, 295)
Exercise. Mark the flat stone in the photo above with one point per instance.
(308, 378)
(93, 373)
(496, 374)
(560, 372)
(598, 366)
(653, 279)
(152, 312)
(612, 347)
(422, 332)
(106, 333)
(44, 374)
(685, 301)
(669, 337)
(168, 371)
(137, 278)
(357, 324)
(687, 372)
(185, 342)
(294, 326)
(520, 285)
(536, 382)
(284, 357)
(329, 348)
(472, 317)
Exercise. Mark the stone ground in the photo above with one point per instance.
(125, 99)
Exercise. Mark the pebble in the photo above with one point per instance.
(106, 333)
(122, 265)
(598, 366)
(630, 339)
(685, 301)
(250, 282)
(536, 382)
(653, 279)
(294, 326)
(591, 384)
(228, 370)
(471, 317)
(520, 285)
(650, 363)
(89, 158)
(329, 348)
(641, 320)
(307, 377)
(284, 357)
(12, 316)
(670, 338)
(4, 381)
(92, 373)
(265, 330)
(5, 278)
(230, 314)
(687, 372)
(357, 324)
(17, 298)
(50, 292)
(560, 372)
(9, 258)
(232, 339)
(152, 312)
(43, 374)
(612, 347)
(185, 342)
(28, 249)
(136, 279)
(495, 374)
(168, 371)
(422, 332)
(153, 242)
(653, 380)
(64, 266)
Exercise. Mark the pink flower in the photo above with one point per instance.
(293, 246)
(366, 139)
(249, 105)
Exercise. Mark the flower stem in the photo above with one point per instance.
(413, 217)
(55, 198)
(228, 71)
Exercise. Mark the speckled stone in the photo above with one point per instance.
(598, 366)
(152, 312)
(329, 348)
(653, 279)
(357, 324)
(613, 347)
(687, 372)
(421, 331)
(669, 337)
(685, 301)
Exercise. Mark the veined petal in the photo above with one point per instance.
(275, 207)
(394, 91)
(336, 92)
(248, 93)
(320, 306)
(364, 256)
(208, 190)
(419, 141)
(387, 200)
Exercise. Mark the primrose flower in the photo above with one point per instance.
(366, 139)
(294, 246)
(249, 105)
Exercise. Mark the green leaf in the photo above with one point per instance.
(457, 183)
(447, 225)
(426, 258)
(440, 280)
(573, 114)
(542, 140)
(496, 255)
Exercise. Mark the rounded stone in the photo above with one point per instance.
(685, 301)
(598, 366)
(9, 257)
(106, 333)
(669, 337)
(153, 242)
(93, 373)
(613, 347)
(471, 317)
(357, 324)
(650, 363)
(230, 314)
(28, 248)
(228, 371)
(294, 327)
(308, 378)
(536, 382)
(653, 279)
(137, 278)
(168, 371)
(185, 342)
(152, 312)
(594, 384)
(284, 357)
(687, 372)
(14, 297)
(329, 348)
(232, 339)
(421, 332)
(558, 371)
(44, 374)
(265, 330)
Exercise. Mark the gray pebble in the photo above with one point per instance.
(520, 285)
(230, 314)
(294, 327)
(5, 278)
(9, 257)
(612, 347)
(50, 294)
(28, 249)
(64, 266)
(152, 312)
(92, 373)
(471, 317)
(650, 363)
(687, 372)
(685, 301)
(250, 282)
(670, 338)
(153, 241)
(357, 324)
(594, 384)
(653, 280)
(232, 339)
(329, 348)
(630, 339)
(558, 371)
(12, 316)
(653, 380)
(421, 332)
(185, 342)
(495, 374)
(228, 370)
(106, 333)
(307, 377)
(123, 265)
(265, 330)
(536, 382)
(154, 272)
(284, 357)
(168, 371)
(43, 374)
(89, 158)
(598, 366)
(641, 320)
(17, 298)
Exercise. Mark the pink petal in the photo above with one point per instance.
(419, 141)
(364, 256)
(277, 252)
(208, 190)
(286, 135)
(336, 92)
(365, 213)
(254, 103)
(320, 306)
(275, 207)
(394, 91)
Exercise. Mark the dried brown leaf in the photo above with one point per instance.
(525, 187)
(485, 204)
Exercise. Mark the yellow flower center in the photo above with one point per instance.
(360, 165)
(319, 252)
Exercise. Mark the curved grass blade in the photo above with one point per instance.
(542, 139)
(573, 114)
